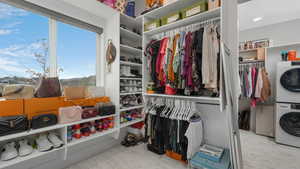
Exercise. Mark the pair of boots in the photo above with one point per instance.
(126, 71)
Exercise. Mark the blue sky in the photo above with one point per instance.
(20, 36)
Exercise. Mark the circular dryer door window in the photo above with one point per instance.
(290, 80)
(290, 123)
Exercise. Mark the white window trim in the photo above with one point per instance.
(52, 48)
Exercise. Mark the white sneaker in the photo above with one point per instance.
(25, 149)
(43, 144)
(9, 151)
(56, 142)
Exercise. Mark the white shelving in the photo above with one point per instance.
(131, 63)
(129, 34)
(170, 8)
(131, 108)
(132, 93)
(31, 132)
(90, 119)
(200, 99)
(215, 13)
(130, 20)
(34, 154)
(129, 49)
(91, 137)
(131, 123)
(130, 78)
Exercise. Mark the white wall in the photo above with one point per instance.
(282, 33)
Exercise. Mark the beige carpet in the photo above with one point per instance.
(258, 152)
(261, 152)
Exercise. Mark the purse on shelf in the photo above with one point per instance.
(48, 87)
(105, 109)
(69, 114)
(44, 120)
(77, 92)
(13, 124)
(89, 112)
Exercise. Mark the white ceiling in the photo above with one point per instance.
(272, 11)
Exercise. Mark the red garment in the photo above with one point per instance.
(188, 60)
(161, 61)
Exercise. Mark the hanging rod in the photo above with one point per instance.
(191, 27)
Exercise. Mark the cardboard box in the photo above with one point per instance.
(12, 107)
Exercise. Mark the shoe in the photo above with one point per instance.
(9, 151)
(43, 144)
(25, 149)
(56, 142)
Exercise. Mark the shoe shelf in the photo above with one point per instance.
(130, 49)
(91, 137)
(131, 20)
(131, 93)
(130, 35)
(131, 108)
(34, 154)
(131, 123)
(130, 78)
(215, 13)
(31, 132)
(199, 99)
(90, 119)
(54, 127)
(130, 63)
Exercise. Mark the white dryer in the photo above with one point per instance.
(288, 82)
(287, 129)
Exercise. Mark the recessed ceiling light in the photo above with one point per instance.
(257, 19)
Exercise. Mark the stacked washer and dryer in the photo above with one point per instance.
(287, 124)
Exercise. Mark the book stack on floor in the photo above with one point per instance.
(210, 157)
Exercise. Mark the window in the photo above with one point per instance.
(76, 52)
(23, 47)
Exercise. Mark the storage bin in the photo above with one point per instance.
(171, 18)
(195, 9)
(212, 4)
(152, 25)
(12, 107)
(39, 106)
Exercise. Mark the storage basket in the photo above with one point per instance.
(152, 25)
(195, 9)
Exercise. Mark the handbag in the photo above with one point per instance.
(105, 109)
(12, 92)
(89, 112)
(69, 114)
(72, 93)
(48, 87)
(44, 120)
(13, 124)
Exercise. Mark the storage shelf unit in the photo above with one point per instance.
(130, 63)
(187, 21)
(129, 34)
(200, 99)
(34, 154)
(91, 137)
(131, 123)
(131, 108)
(130, 49)
(212, 109)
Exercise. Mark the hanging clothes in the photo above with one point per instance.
(194, 135)
(188, 62)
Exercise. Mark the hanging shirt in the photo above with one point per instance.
(160, 61)
(259, 84)
(194, 134)
(210, 57)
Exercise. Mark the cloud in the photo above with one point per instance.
(11, 25)
(5, 31)
(7, 11)
(10, 66)
(22, 50)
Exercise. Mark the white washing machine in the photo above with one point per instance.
(288, 82)
(287, 129)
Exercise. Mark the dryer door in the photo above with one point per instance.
(290, 123)
(290, 80)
